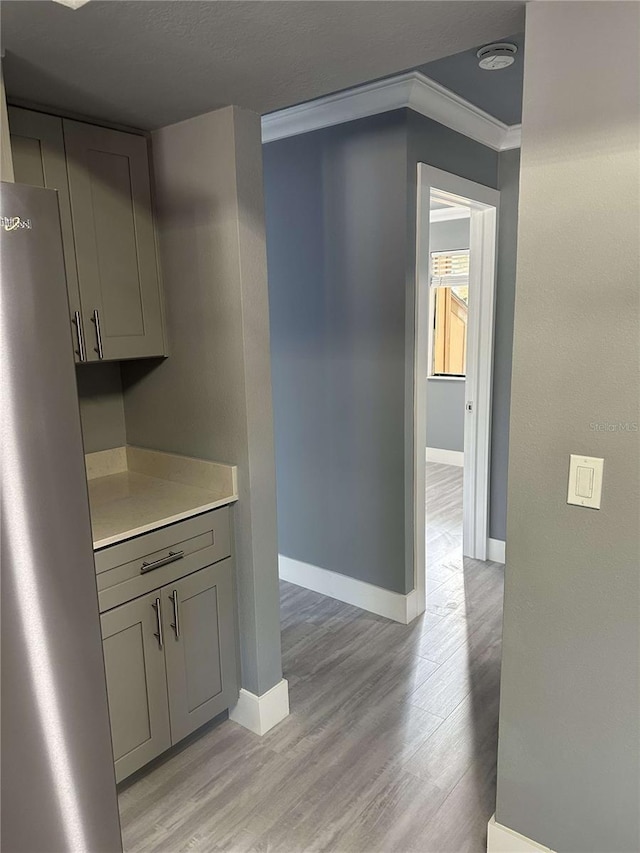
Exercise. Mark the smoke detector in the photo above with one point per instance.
(493, 57)
(71, 4)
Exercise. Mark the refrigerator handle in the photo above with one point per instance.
(96, 320)
(158, 633)
(81, 351)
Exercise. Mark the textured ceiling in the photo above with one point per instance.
(497, 92)
(147, 64)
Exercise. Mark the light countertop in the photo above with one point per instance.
(133, 491)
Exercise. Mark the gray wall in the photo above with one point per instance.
(212, 396)
(445, 397)
(6, 160)
(101, 406)
(434, 144)
(336, 237)
(445, 413)
(448, 235)
(569, 745)
(340, 208)
(508, 178)
(437, 145)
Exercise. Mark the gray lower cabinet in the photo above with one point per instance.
(199, 650)
(137, 685)
(171, 664)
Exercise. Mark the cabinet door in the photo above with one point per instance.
(136, 682)
(114, 240)
(200, 648)
(37, 146)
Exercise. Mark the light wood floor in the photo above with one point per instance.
(391, 741)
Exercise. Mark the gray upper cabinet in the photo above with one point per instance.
(37, 146)
(110, 191)
(132, 641)
(200, 647)
(103, 180)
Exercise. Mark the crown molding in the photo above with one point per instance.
(413, 91)
(349, 105)
(513, 137)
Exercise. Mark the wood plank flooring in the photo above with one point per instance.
(391, 741)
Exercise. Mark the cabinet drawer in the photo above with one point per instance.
(139, 565)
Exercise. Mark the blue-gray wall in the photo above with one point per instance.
(336, 244)
(340, 220)
(445, 397)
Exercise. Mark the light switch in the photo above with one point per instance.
(585, 481)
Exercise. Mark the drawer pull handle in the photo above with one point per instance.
(163, 561)
(158, 633)
(176, 613)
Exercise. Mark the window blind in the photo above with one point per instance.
(450, 269)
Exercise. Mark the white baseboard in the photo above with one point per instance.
(501, 839)
(382, 602)
(496, 550)
(261, 713)
(413, 607)
(445, 457)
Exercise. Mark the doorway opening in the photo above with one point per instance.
(453, 359)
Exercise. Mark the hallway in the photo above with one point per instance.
(391, 741)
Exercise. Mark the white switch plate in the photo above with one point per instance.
(585, 481)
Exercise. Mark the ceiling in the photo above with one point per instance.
(148, 64)
(498, 93)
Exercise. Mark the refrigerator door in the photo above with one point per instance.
(58, 784)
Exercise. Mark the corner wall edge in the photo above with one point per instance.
(261, 713)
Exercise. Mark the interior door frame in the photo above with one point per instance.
(484, 204)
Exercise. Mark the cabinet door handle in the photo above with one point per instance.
(163, 561)
(96, 321)
(77, 320)
(158, 633)
(176, 613)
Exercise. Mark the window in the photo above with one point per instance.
(449, 282)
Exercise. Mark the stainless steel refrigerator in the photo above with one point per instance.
(58, 784)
